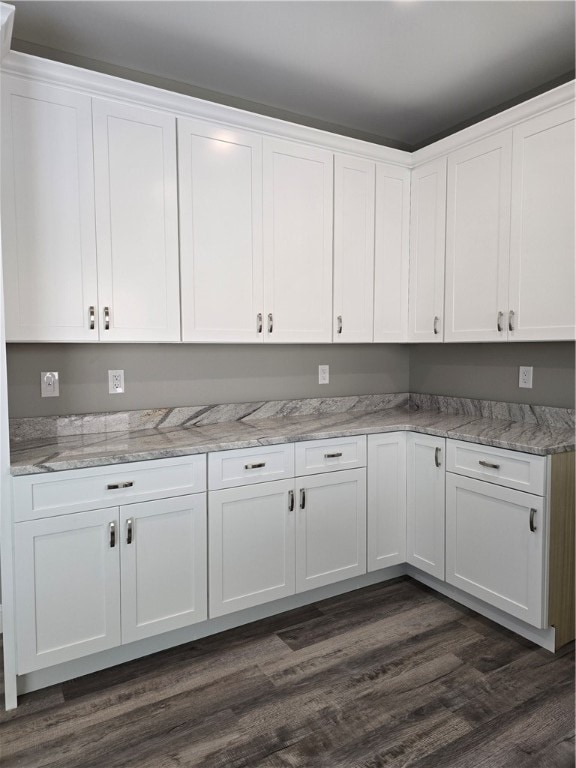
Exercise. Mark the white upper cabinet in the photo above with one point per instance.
(392, 237)
(477, 240)
(542, 237)
(427, 241)
(49, 248)
(298, 192)
(136, 223)
(354, 181)
(220, 175)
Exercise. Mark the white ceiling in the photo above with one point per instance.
(398, 73)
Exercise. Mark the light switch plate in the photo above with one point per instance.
(115, 382)
(525, 376)
(323, 374)
(49, 384)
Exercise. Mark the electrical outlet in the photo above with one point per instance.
(115, 382)
(323, 374)
(525, 376)
(49, 384)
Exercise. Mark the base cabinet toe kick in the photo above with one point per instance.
(112, 563)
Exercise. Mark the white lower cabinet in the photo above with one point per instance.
(251, 545)
(330, 528)
(426, 479)
(495, 546)
(386, 500)
(90, 581)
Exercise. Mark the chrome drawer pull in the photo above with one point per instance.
(92, 317)
(436, 319)
(259, 322)
(511, 320)
(332, 455)
(532, 517)
(499, 322)
(116, 486)
(437, 457)
(488, 464)
(339, 320)
(106, 318)
(255, 466)
(270, 322)
(290, 501)
(302, 498)
(129, 530)
(112, 529)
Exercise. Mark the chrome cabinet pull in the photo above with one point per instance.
(332, 455)
(437, 457)
(129, 530)
(106, 318)
(92, 316)
(270, 323)
(259, 465)
(499, 321)
(488, 464)
(339, 321)
(302, 498)
(436, 321)
(510, 320)
(290, 501)
(116, 486)
(112, 530)
(532, 518)
(259, 322)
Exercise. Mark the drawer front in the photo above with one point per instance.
(316, 456)
(76, 490)
(513, 469)
(228, 469)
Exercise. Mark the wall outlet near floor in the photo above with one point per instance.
(525, 376)
(115, 382)
(49, 384)
(323, 374)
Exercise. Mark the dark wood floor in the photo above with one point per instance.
(391, 675)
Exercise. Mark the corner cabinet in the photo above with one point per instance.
(298, 216)
(48, 235)
(427, 241)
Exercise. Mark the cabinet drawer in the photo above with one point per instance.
(227, 469)
(316, 456)
(76, 490)
(513, 469)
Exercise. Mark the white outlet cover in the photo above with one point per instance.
(49, 384)
(323, 374)
(525, 376)
(115, 382)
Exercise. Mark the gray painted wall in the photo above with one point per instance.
(163, 375)
(490, 371)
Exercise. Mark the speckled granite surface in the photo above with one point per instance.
(59, 443)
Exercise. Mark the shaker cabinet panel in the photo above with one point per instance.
(220, 176)
(298, 192)
(136, 223)
(477, 241)
(354, 180)
(391, 257)
(67, 577)
(49, 248)
(427, 240)
(542, 238)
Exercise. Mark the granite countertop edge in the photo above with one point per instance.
(87, 451)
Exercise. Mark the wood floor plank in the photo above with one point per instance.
(391, 675)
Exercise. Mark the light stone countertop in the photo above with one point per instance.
(74, 451)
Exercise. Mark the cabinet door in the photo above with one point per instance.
(164, 579)
(386, 500)
(425, 503)
(494, 546)
(427, 240)
(298, 190)
(220, 175)
(542, 238)
(67, 576)
(136, 223)
(391, 253)
(330, 528)
(478, 240)
(353, 249)
(251, 545)
(49, 247)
